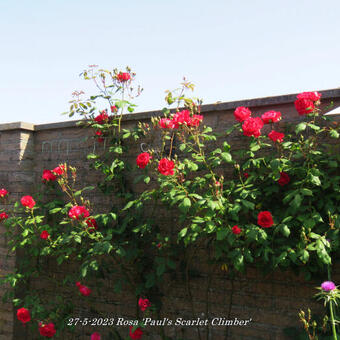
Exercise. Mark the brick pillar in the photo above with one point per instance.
(16, 175)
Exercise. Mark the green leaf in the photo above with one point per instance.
(185, 204)
(304, 257)
(248, 204)
(226, 156)
(129, 205)
(315, 180)
(275, 164)
(300, 127)
(296, 202)
(306, 192)
(183, 232)
(55, 210)
(92, 156)
(314, 127)
(285, 230)
(160, 269)
(221, 234)
(182, 147)
(334, 134)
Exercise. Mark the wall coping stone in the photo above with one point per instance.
(264, 101)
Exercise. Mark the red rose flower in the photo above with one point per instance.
(100, 139)
(48, 176)
(313, 96)
(95, 336)
(265, 219)
(23, 315)
(246, 175)
(3, 193)
(181, 118)
(92, 224)
(242, 113)
(166, 123)
(27, 201)
(86, 291)
(159, 245)
(3, 216)
(83, 289)
(166, 167)
(59, 170)
(252, 126)
(44, 235)
(137, 334)
(143, 160)
(102, 117)
(284, 178)
(114, 108)
(236, 230)
(47, 330)
(123, 76)
(271, 117)
(276, 136)
(304, 106)
(195, 120)
(144, 304)
(78, 211)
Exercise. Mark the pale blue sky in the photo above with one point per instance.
(231, 49)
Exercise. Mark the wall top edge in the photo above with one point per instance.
(17, 126)
(255, 102)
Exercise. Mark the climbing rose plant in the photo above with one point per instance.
(274, 203)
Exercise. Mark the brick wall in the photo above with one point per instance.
(270, 302)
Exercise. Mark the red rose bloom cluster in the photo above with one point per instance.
(92, 224)
(101, 118)
(265, 219)
(78, 211)
(123, 76)
(48, 176)
(143, 160)
(44, 235)
(166, 167)
(242, 113)
(271, 117)
(236, 230)
(313, 96)
(47, 330)
(276, 136)
(3, 216)
(144, 304)
(252, 127)
(114, 108)
(27, 201)
(137, 334)
(86, 291)
(180, 118)
(3, 193)
(23, 315)
(305, 102)
(284, 179)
